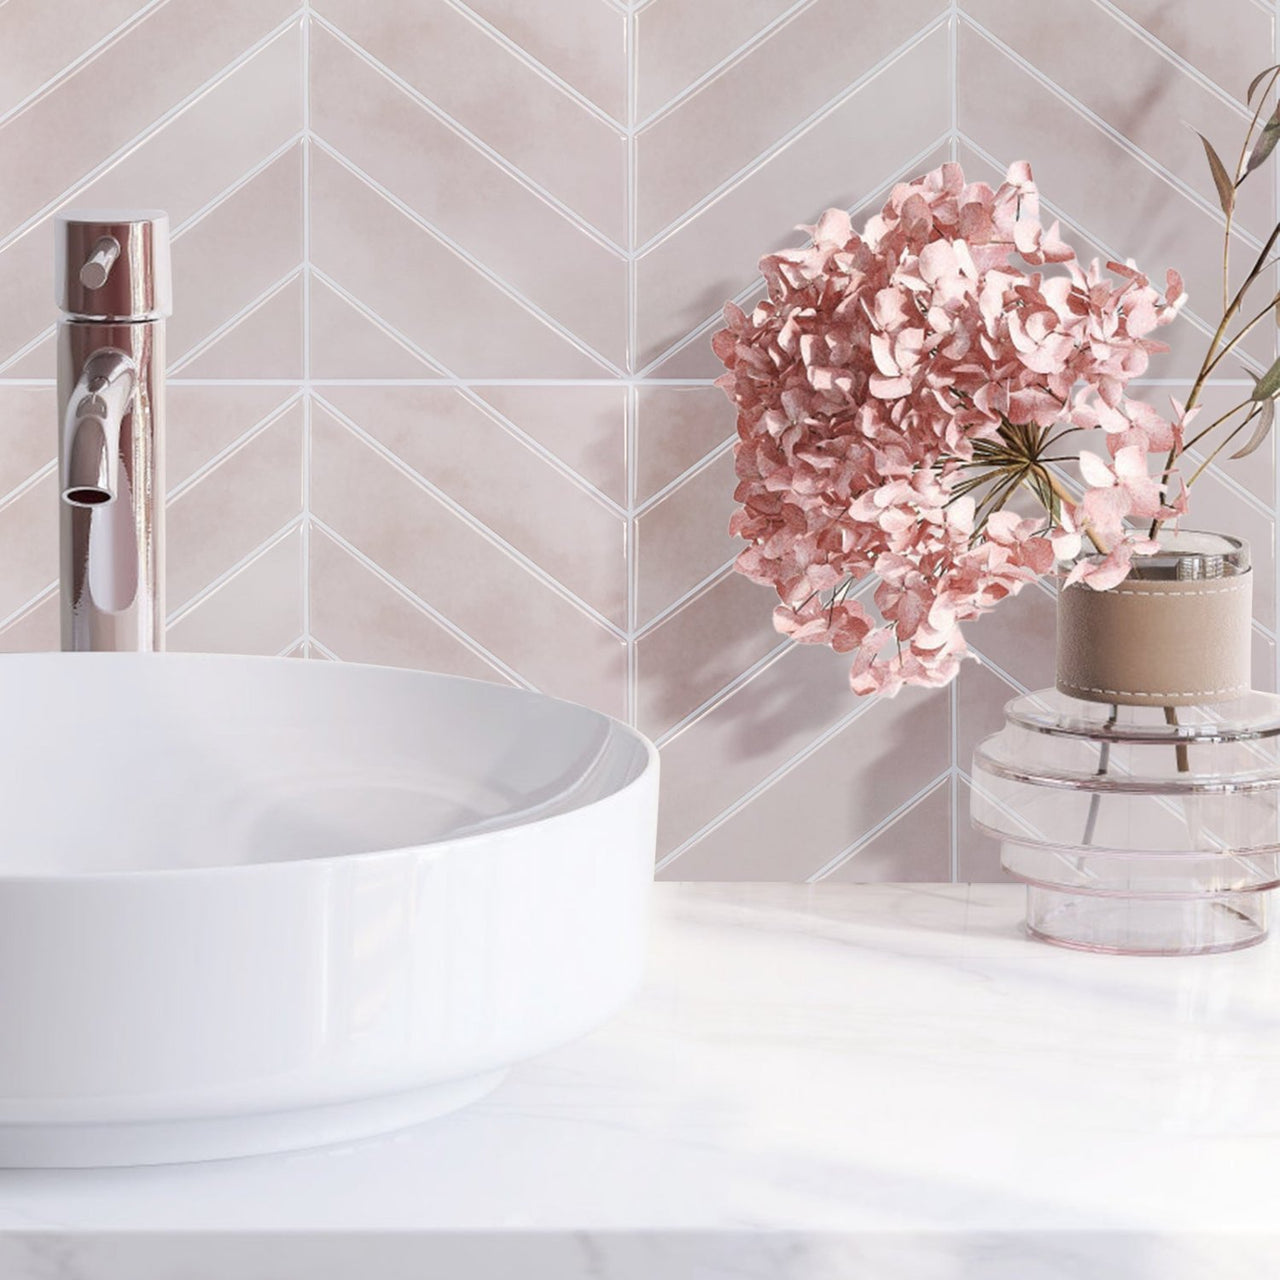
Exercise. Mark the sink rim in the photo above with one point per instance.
(299, 866)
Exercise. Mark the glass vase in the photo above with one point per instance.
(1139, 799)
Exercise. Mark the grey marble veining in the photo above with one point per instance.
(817, 1083)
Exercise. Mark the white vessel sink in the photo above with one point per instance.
(248, 904)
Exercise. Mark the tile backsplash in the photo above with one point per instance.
(445, 277)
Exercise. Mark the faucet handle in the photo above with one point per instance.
(113, 265)
(94, 273)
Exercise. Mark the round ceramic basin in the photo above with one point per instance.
(249, 904)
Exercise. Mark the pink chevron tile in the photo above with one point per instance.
(257, 611)
(266, 343)
(219, 271)
(581, 41)
(346, 343)
(1133, 87)
(981, 696)
(36, 631)
(914, 846)
(817, 54)
(826, 802)
(684, 537)
(1019, 637)
(675, 428)
(683, 280)
(460, 449)
(585, 427)
(29, 536)
(531, 122)
(752, 731)
(203, 421)
(30, 418)
(235, 508)
(690, 656)
(41, 40)
(181, 168)
(65, 134)
(680, 41)
(362, 618)
(472, 582)
(1217, 505)
(381, 129)
(424, 290)
(1229, 48)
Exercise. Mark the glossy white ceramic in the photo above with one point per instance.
(250, 904)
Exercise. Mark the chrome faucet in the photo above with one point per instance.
(113, 286)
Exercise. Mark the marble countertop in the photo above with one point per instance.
(820, 1082)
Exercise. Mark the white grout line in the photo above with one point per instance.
(852, 850)
(953, 65)
(715, 320)
(29, 606)
(1135, 152)
(29, 483)
(323, 650)
(151, 130)
(205, 468)
(212, 338)
(631, 557)
(780, 144)
(1188, 69)
(744, 50)
(178, 232)
(64, 73)
(540, 69)
(412, 598)
(860, 708)
(707, 705)
(455, 126)
(660, 495)
(474, 523)
(239, 184)
(306, 326)
(503, 286)
(699, 588)
(189, 606)
(466, 388)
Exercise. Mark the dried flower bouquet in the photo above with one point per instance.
(898, 388)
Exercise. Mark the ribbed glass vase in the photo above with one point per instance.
(1139, 800)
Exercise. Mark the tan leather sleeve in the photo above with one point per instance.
(1156, 643)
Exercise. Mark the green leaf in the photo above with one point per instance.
(1265, 145)
(1266, 420)
(1268, 385)
(1256, 81)
(1221, 179)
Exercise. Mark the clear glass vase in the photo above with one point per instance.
(1144, 817)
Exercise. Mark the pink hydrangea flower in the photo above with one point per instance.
(866, 377)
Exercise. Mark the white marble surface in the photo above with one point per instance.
(827, 1083)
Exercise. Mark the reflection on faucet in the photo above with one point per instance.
(91, 431)
(113, 286)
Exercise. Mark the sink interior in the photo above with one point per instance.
(117, 763)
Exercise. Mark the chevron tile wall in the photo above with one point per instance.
(446, 271)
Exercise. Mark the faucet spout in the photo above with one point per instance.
(96, 407)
